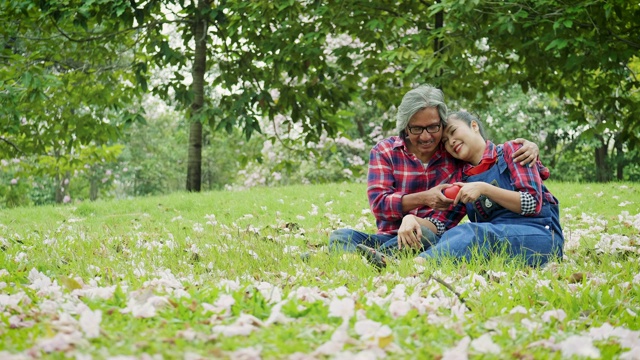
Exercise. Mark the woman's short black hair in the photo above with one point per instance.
(468, 118)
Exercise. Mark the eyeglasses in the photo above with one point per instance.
(417, 130)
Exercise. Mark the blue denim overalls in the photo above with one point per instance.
(494, 229)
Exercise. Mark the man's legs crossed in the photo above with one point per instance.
(385, 254)
(348, 239)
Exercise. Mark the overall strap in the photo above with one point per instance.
(502, 162)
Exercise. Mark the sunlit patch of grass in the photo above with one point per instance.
(264, 249)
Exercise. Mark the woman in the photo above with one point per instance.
(507, 204)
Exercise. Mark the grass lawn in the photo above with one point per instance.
(220, 275)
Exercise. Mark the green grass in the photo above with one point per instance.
(171, 249)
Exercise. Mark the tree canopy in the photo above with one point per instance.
(583, 52)
(73, 71)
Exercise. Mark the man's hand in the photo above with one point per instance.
(527, 154)
(435, 199)
(409, 233)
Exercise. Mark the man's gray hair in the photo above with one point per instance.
(422, 97)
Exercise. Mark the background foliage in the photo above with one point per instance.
(120, 98)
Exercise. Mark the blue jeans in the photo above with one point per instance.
(429, 238)
(534, 240)
(347, 239)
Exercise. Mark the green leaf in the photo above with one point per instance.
(410, 68)
(69, 283)
(26, 79)
(557, 44)
(120, 10)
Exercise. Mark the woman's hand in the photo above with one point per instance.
(470, 192)
(527, 154)
(409, 233)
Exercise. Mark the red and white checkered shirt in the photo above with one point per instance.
(395, 172)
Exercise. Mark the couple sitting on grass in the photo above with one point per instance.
(501, 191)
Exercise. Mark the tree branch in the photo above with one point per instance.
(443, 283)
(103, 36)
(628, 42)
(12, 145)
(275, 132)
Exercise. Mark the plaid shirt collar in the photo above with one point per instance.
(489, 155)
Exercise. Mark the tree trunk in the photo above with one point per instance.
(194, 160)
(94, 187)
(62, 186)
(59, 188)
(437, 43)
(620, 161)
(551, 151)
(602, 169)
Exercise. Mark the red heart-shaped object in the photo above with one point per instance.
(452, 191)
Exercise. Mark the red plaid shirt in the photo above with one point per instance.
(395, 172)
